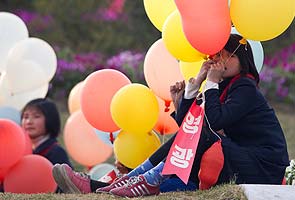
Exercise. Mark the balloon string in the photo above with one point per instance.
(111, 137)
(167, 106)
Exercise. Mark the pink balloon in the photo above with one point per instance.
(206, 23)
(32, 174)
(161, 70)
(82, 143)
(96, 96)
(12, 143)
(3, 172)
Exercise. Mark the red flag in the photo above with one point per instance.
(182, 152)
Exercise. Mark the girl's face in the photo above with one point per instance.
(33, 122)
(231, 63)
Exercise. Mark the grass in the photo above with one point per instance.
(223, 192)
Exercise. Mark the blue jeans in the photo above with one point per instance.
(175, 184)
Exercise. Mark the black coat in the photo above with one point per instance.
(51, 150)
(250, 125)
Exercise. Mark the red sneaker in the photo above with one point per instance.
(136, 187)
(117, 183)
(70, 181)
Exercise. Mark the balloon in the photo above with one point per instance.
(3, 172)
(82, 143)
(24, 75)
(176, 42)
(100, 170)
(206, 24)
(165, 124)
(28, 145)
(32, 51)
(158, 11)
(132, 149)
(190, 69)
(12, 143)
(10, 113)
(74, 98)
(135, 108)
(161, 70)
(32, 174)
(19, 100)
(257, 50)
(12, 30)
(105, 136)
(262, 20)
(96, 95)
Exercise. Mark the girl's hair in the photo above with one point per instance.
(49, 110)
(244, 53)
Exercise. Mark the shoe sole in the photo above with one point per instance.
(61, 178)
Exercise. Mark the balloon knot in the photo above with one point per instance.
(111, 137)
(167, 105)
(243, 41)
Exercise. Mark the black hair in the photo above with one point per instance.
(49, 110)
(245, 55)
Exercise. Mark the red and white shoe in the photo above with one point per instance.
(117, 183)
(137, 186)
(70, 181)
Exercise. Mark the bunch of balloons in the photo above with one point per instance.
(194, 29)
(102, 110)
(20, 171)
(27, 64)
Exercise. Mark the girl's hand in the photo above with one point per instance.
(203, 72)
(215, 72)
(176, 92)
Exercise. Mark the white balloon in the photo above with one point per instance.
(257, 51)
(37, 51)
(19, 100)
(24, 76)
(12, 30)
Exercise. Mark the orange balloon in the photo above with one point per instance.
(82, 143)
(12, 143)
(166, 124)
(74, 98)
(96, 96)
(161, 70)
(206, 24)
(32, 174)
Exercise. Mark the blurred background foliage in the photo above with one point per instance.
(95, 34)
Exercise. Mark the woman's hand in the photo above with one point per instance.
(176, 92)
(203, 72)
(215, 72)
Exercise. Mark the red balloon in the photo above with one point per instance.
(206, 23)
(28, 145)
(32, 174)
(96, 96)
(12, 143)
(3, 172)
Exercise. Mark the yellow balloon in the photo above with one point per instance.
(262, 20)
(190, 69)
(176, 42)
(135, 108)
(132, 149)
(158, 10)
(74, 98)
